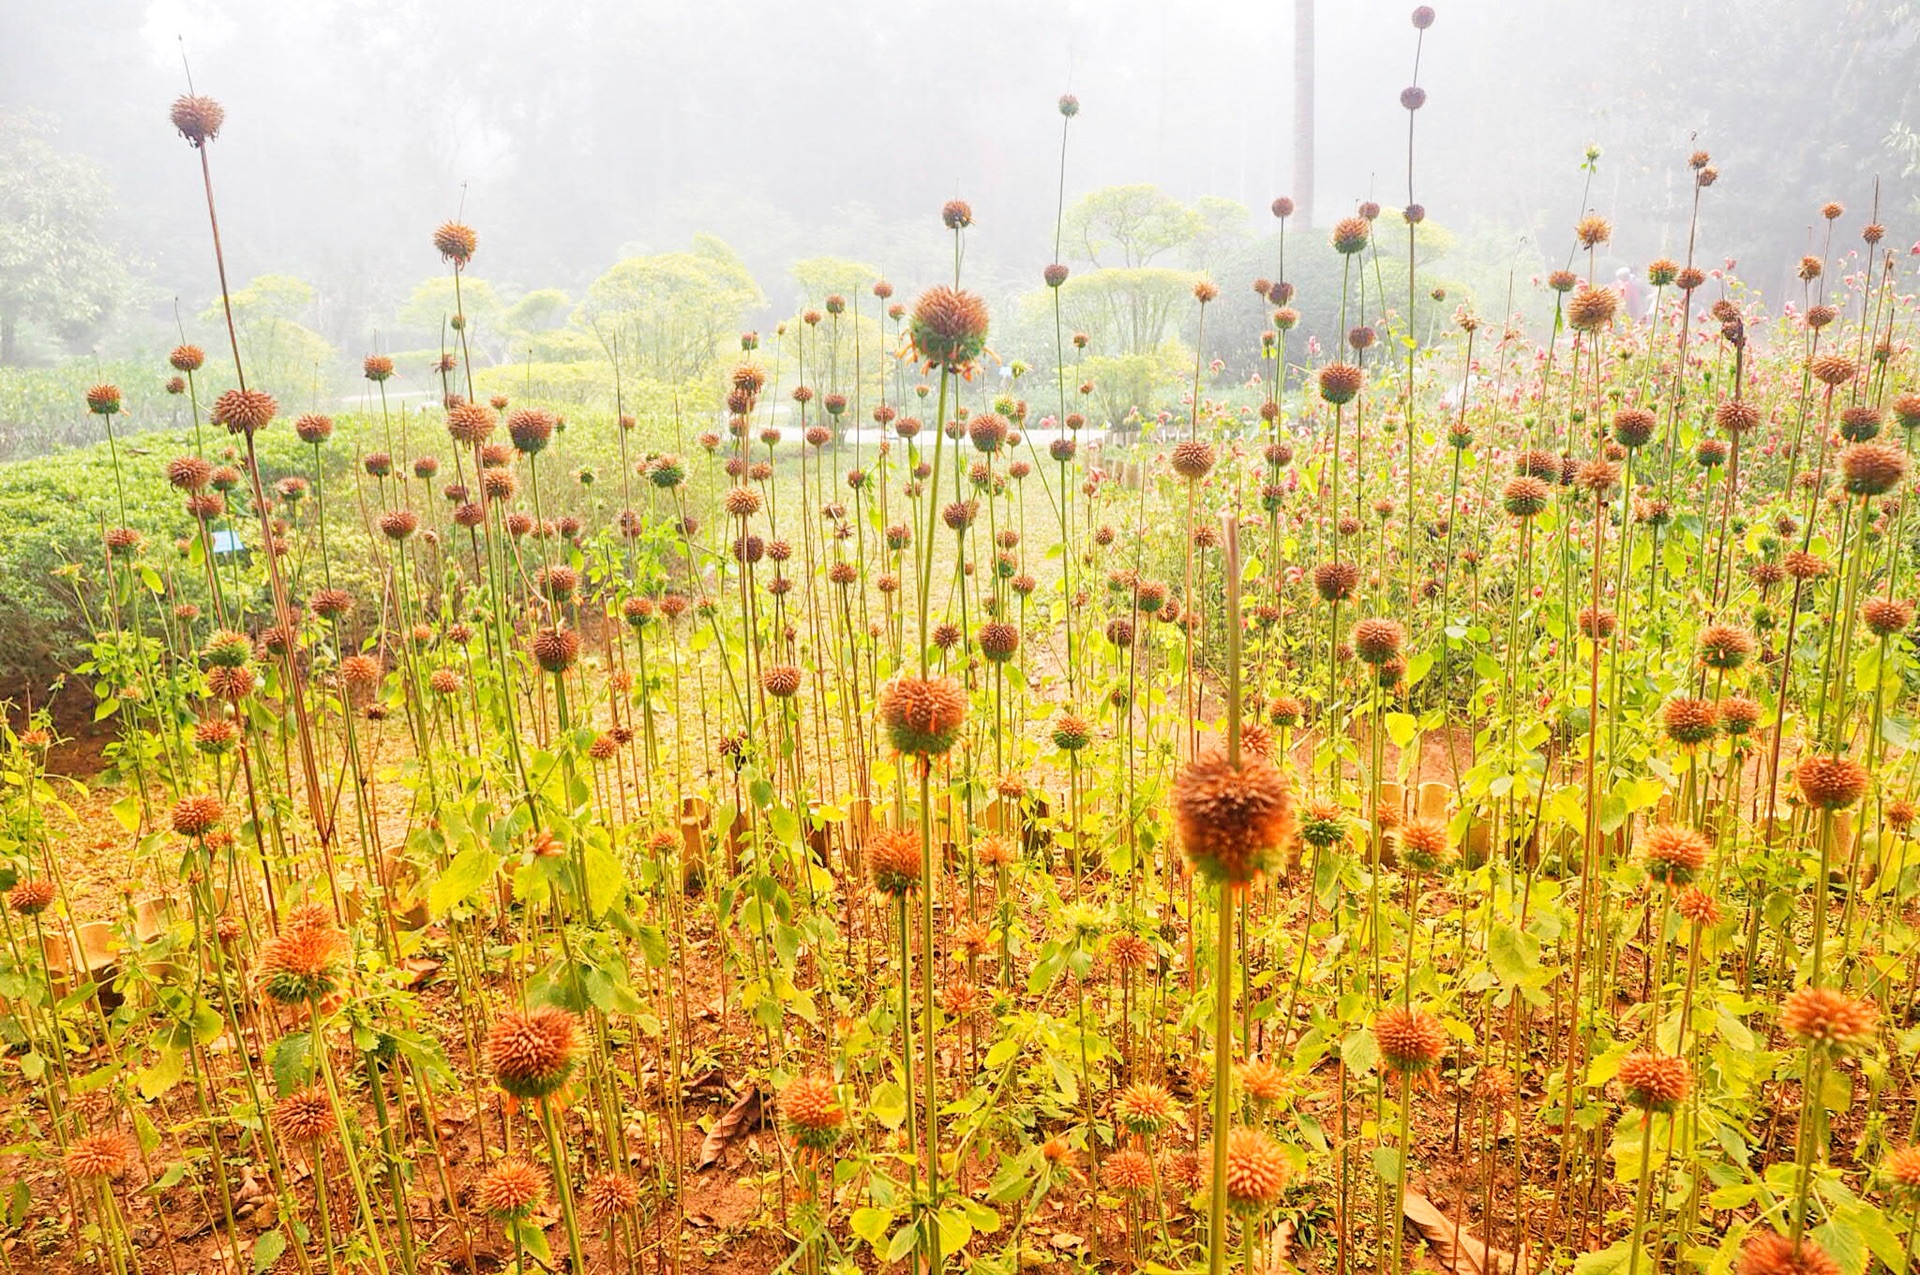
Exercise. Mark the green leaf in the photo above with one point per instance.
(127, 811)
(955, 1230)
(1514, 955)
(471, 869)
(267, 1250)
(1836, 1089)
(1844, 1242)
(605, 880)
(1401, 728)
(653, 945)
(1606, 1065)
(291, 1060)
(871, 1225)
(1612, 1258)
(903, 1242)
(888, 1104)
(533, 1239)
(423, 1053)
(1881, 1237)
(1359, 1051)
(984, 1220)
(163, 1074)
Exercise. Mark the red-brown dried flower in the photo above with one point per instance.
(1232, 821)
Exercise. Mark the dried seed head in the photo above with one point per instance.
(1689, 722)
(812, 1113)
(1771, 1253)
(1655, 1082)
(511, 1190)
(1232, 821)
(244, 411)
(1674, 855)
(197, 815)
(532, 1054)
(1872, 469)
(303, 963)
(949, 327)
(98, 1157)
(893, 860)
(1830, 783)
(1193, 458)
(456, 242)
(304, 1116)
(610, 1195)
(1409, 1039)
(1824, 1018)
(198, 119)
(923, 715)
(1257, 1171)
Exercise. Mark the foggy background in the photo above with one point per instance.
(572, 134)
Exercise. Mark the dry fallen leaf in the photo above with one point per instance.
(1453, 1247)
(741, 1116)
(711, 1083)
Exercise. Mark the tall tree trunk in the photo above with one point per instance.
(8, 340)
(1303, 111)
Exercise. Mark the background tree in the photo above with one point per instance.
(1127, 311)
(1133, 223)
(541, 310)
(58, 270)
(283, 354)
(1225, 226)
(822, 277)
(430, 309)
(671, 314)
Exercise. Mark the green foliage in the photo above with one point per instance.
(537, 311)
(1126, 311)
(670, 316)
(1128, 387)
(57, 269)
(44, 408)
(431, 305)
(282, 355)
(821, 277)
(1129, 225)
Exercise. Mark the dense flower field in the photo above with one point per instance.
(1445, 803)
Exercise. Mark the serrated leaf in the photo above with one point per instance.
(1401, 728)
(605, 879)
(955, 1230)
(1359, 1051)
(267, 1250)
(871, 1225)
(1514, 955)
(162, 1074)
(1608, 1260)
(291, 1060)
(903, 1242)
(470, 870)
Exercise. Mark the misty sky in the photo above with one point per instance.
(572, 133)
